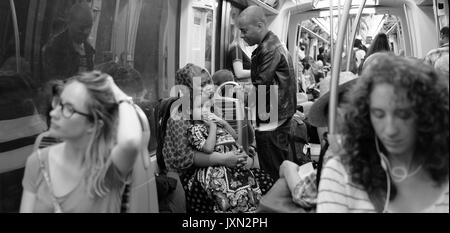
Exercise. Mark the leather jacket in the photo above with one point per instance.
(272, 65)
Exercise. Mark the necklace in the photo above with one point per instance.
(400, 174)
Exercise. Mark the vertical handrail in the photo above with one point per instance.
(16, 34)
(331, 33)
(115, 29)
(436, 19)
(355, 27)
(336, 68)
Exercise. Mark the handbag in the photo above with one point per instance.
(279, 200)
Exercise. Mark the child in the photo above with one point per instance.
(233, 189)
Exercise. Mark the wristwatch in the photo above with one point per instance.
(127, 99)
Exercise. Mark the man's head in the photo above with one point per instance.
(444, 36)
(253, 25)
(80, 22)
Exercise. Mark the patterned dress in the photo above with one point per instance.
(234, 190)
(179, 157)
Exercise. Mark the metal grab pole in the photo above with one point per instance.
(336, 68)
(355, 26)
(331, 33)
(16, 35)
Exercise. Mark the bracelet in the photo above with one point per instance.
(128, 100)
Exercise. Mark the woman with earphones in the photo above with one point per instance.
(395, 143)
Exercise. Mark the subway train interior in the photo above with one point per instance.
(156, 38)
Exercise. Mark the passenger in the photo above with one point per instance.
(222, 76)
(69, 52)
(321, 56)
(442, 52)
(180, 157)
(304, 190)
(359, 52)
(271, 65)
(395, 143)
(379, 44)
(127, 79)
(209, 133)
(88, 171)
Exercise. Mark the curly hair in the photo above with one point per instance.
(428, 93)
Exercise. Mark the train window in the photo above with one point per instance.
(19, 118)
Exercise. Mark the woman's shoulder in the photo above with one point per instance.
(335, 161)
(335, 167)
(39, 155)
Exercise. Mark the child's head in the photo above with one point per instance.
(222, 76)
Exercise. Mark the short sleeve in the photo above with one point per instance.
(235, 54)
(30, 177)
(197, 136)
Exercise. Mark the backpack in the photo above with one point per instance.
(162, 114)
(299, 140)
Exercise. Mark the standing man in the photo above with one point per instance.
(271, 66)
(69, 52)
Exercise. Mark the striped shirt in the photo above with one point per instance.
(338, 194)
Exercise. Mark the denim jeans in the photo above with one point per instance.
(273, 148)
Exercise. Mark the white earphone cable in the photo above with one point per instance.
(386, 166)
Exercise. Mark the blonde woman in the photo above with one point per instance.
(87, 172)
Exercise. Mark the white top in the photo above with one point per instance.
(338, 194)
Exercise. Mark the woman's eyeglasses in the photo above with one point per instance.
(67, 110)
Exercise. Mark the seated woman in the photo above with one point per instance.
(395, 142)
(101, 138)
(181, 157)
(233, 189)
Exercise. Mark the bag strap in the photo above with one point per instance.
(56, 205)
(323, 150)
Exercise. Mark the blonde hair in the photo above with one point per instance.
(104, 113)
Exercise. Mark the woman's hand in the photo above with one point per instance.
(117, 92)
(233, 159)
